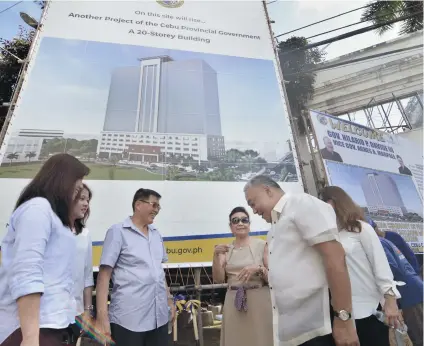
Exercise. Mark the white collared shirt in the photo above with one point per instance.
(298, 282)
(83, 268)
(38, 254)
(369, 270)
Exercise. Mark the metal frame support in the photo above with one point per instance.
(402, 112)
(197, 281)
(384, 110)
(417, 95)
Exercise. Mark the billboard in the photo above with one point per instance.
(182, 97)
(378, 170)
(344, 141)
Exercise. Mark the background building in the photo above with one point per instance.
(25, 145)
(169, 99)
(382, 194)
(170, 143)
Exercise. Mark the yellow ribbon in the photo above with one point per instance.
(192, 307)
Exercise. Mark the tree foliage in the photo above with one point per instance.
(9, 64)
(381, 11)
(82, 148)
(10, 67)
(295, 64)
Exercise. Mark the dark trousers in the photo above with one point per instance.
(326, 340)
(48, 337)
(372, 332)
(125, 337)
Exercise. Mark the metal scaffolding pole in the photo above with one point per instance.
(197, 276)
(419, 100)
(402, 111)
(386, 115)
(198, 287)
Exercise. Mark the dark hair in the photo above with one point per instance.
(347, 211)
(238, 210)
(55, 181)
(81, 223)
(143, 194)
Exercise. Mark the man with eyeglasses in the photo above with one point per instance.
(133, 253)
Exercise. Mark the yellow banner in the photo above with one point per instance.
(182, 251)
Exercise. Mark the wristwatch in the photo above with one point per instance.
(343, 315)
(90, 310)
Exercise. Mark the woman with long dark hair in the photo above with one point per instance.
(243, 264)
(370, 274)
(38, 252)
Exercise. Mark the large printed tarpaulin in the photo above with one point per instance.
(381, 172)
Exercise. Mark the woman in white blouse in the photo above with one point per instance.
(83, 276)
(38, 253)
(369, 271)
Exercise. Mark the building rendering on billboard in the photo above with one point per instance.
(382, 194)
(165, 103)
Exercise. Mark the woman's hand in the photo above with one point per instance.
(173, 312)
(393, 315)
(221, 249)
(103, 325)
(247, 272)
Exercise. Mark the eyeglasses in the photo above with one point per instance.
(237, 220)
(155, 205)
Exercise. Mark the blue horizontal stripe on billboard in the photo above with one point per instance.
(198, 236)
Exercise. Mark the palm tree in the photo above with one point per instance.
(30, 155)
(12, 156)
(382, 11)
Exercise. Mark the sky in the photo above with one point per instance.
(349, 178)
(291, 15)
(302, 13)
(10, 19)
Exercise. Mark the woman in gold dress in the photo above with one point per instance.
(243, 264)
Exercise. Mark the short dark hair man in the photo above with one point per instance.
(328, 152)
(402, 168)
(133, 253)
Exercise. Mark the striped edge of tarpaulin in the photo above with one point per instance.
(88, 326)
